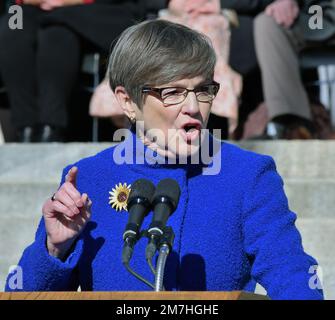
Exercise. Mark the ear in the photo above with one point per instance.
(127, 105)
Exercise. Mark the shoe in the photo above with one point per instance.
(49, 133)
(273, 131)
(25, 134)
(292, 131)
(322, 121)
(290, 127)
(299, 132)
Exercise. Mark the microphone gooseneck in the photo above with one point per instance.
(139, 205)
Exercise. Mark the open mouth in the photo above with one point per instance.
(190, 128)
(191, 131)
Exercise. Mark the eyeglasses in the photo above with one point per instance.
(175, 95)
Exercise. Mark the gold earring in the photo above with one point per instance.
(132, 119)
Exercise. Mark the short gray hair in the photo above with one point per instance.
(157, 52)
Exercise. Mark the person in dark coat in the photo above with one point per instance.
(39, 65)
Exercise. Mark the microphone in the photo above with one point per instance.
(164, 203)
(139, 205)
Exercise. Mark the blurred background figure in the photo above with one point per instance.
(257, 20)
(281, 32)
(206, 17)
(242, 56)
(39, 65)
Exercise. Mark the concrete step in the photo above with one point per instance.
(41, 162)
(15, 235)
(311, 198)
(295, 159)
(318, 237)
(24, 199)
(298, 159)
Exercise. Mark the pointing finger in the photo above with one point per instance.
(72, 176)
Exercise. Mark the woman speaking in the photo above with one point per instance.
(233, 228)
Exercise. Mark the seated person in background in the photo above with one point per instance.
(39, 65)
(242, 57)
(162, 75)
(281, 32)
(204, 16)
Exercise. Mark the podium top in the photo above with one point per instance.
(147, 295)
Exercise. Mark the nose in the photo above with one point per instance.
(191, 104)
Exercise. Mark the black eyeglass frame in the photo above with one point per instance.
(148, 89)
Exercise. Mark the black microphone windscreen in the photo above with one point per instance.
(141, 188)
(168, 188)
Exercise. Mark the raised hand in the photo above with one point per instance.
(283, 11)
(66, 215)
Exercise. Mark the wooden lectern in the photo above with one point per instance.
(167, 295)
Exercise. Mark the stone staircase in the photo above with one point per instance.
(30, 173)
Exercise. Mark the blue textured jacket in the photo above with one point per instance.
(232, 230)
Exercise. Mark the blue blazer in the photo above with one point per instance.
(232, 229)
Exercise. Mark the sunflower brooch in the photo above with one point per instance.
(119, 196)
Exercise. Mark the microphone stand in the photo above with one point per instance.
(163, 254)
(165, 247)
